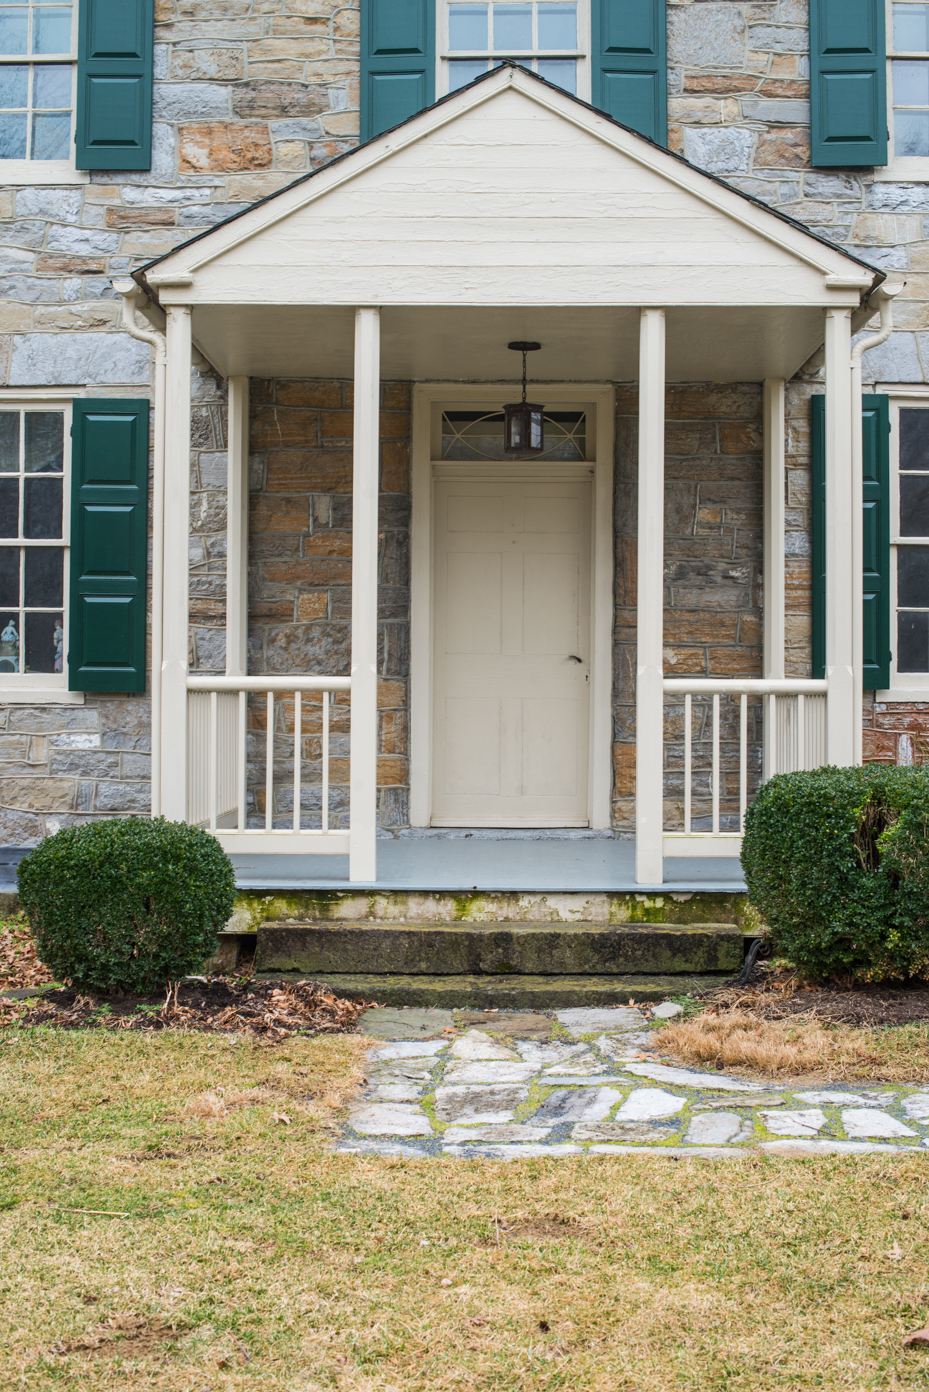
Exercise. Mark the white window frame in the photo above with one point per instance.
(46, 688)
(35, 172)
(905, 686)
(899, 168)
(581, 54)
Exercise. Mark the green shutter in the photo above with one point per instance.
(397, 62)
(848, 83)
(629, 68)
(109, 545)
(875, 422)
(114, 84)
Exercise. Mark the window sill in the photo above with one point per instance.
(43, 172)
(902, 693)
(902, 171)
(44, 696)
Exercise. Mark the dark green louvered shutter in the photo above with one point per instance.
(114, 84)
(109, 545)
(629, 66)
(397, 62)
(875, 423)
(848, 83)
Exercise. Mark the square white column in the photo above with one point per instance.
(773, 544)
(649, 686)
(237, 529)
(176, 564)
(365, 478)
(840, 586)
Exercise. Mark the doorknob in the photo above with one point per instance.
(574, 658)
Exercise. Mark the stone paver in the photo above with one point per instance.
(577, 1084)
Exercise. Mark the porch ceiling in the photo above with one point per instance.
(462, 343)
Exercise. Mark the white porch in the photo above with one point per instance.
(664, 275)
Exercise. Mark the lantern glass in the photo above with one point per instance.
(523, 431)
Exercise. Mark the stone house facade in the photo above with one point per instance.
(248, 95)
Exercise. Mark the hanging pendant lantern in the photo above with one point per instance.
(523, 430)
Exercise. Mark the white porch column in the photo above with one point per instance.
(237, 530)
(840, 579)
(773, 631)
(176, 562)
(363, 829)
(649, 690)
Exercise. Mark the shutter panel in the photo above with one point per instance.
(875, 421)
(397, 62)
(629, 61)
(114, 84)
(848, 83)
(109, 545)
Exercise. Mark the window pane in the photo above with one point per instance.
(461, 72)
(914, 439)
(42, 508)
(14, 30)
(911, 82)
(51, 31)
(513, 26)
(557, 27)
(13, 137)
(14, 85)
(51, 137)
(51, 87)
(9, 507)
(44, 642)
(914, 505)
(9, 642)
(467, 27)
(561, 71)
(9, 575)
(913, 642)
(911, 28)
(9, 442)
(911, 133)
(913, 577)
(44, 442)
(43, 580)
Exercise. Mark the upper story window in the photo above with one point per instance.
(37, 58)
(907, 91)
(548, 36)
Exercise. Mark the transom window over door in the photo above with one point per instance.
(36, 92)
(547, 36)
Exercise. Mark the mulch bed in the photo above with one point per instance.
(777, 995)
(267, 1009)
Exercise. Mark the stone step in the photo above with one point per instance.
(498, 949)
(507, 992)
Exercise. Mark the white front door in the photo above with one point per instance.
(511, 653)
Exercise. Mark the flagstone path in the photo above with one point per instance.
(501, 1084)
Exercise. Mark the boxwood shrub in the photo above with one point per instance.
(837, 862)
(126, 905)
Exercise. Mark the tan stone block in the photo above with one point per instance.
(686, 438)
(328, 544)
(784, 65)
(94, 314)
(309, 571)
(248, 188)
(676, 138)
(345, 48)
(699, 626)
(15, 316)
(307, 392)
(391, 694)
(396, 396)
(395, 467)
(784, 87)
(712, 401)
(757, 62)
(336, 425)
(38, 794)
(873, 229)
(212, 30)
(785, 147)
(290, 154)
(739, 438)
(301, 27)
(394, 425)
(154, 243)
(164, 11)
(695, 111)
(393, 733)
(263, 49)
(346, 24)
(709, 519)
(54, 263)
(624, 770)
(322, 151)
(312, 606)
(391, 773)
(208, 64)
(141, 217)
(273, 609)
(339, 770)
(210, 145)
(341, 123)
(274, 427)
(7, 206)
(290, 69)
(917, 287)
(255, 100)
(911, 314)
(738, 661)
(810, 212)
(213, 9)
(314, 470)
(268, 513)
(101, 193)
(750, 629)
(720, 84)
(685, 662)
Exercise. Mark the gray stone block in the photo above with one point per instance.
(164, 162)
(797, 544)
(20, 828)
(210, 649)
(898, 198)
(135, 766)
(790, 113)
(24, 234)
(706, 36)
(190, 101)
(59, 359)
(201, 216)
(83, 763)
(776, 38)
(160, 62)
(897, 360)
(28, 288)
(840, 186)
(886, 258)
(124, 797)
(99, 288)
(71, 290)
(126, 724)
(57, 205)
(149, 197)
(213, 469)
(720, 150)
(296, 130)
(83, 241)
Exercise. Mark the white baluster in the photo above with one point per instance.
(269, 766)
(243, 758)
(743, 759)
(324, 799)
(297, 722)
(688, 717)
(772, 733)
(801, 733)
(715, 765)
(213, 760)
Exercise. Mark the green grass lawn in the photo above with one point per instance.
(158, 1232)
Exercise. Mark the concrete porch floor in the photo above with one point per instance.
(486, 861)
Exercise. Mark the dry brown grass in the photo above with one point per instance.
(798, 1046)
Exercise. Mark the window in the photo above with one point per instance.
(910, 544)
(37, 48)
(548, 36)
(33, 545)
(908, 90)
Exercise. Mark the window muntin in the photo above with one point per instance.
(911, 547)
(36, 95)
(33, 545)
(545, 35)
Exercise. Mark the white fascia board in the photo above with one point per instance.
(176, 271)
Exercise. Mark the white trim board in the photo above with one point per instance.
(601, 398)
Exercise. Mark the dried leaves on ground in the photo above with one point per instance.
(773, 994)
(271, 1010)
(20, 968)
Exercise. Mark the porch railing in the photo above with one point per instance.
(225, 728)
(734, 734)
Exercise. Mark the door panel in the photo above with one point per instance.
(512, 613)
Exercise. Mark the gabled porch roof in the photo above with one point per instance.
(509, 209)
